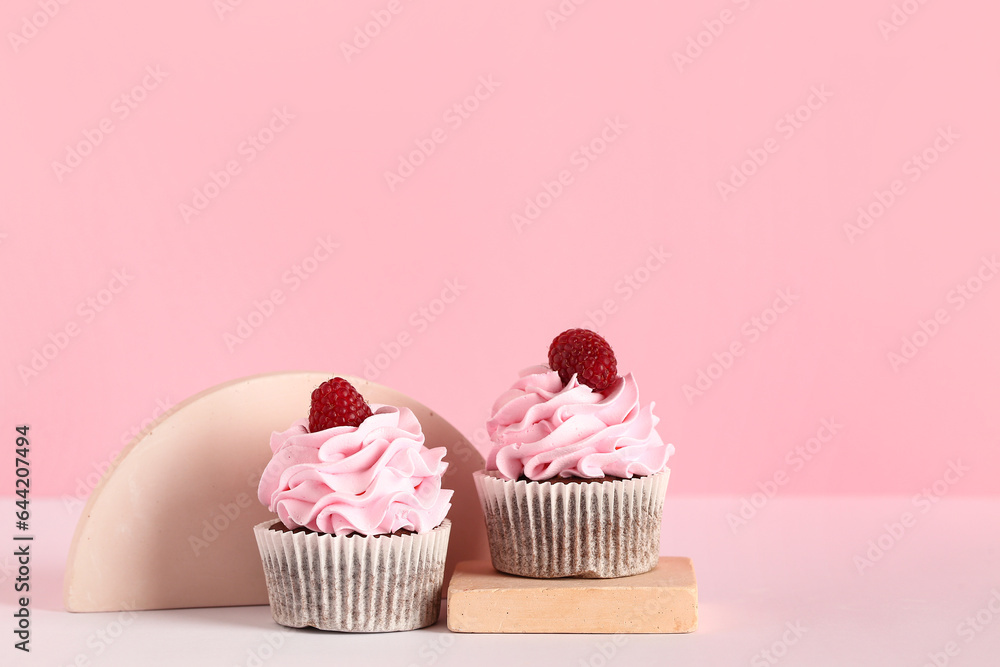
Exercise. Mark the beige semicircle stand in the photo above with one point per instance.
(171, 523)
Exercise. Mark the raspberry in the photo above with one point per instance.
(337, 403)
(585, 353)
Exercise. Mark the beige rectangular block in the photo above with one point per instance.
(664, 600)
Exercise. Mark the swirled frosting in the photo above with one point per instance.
(372, 479)
(542, 429)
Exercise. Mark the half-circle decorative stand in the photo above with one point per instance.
(170, 525)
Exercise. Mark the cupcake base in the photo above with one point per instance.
(594, 530)
(382, 583)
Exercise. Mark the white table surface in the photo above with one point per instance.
(793, 564)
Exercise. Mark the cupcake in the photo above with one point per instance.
(361, 536)
(576, 475)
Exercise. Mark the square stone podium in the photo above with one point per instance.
(663, 600)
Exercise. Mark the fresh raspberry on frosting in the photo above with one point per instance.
(542, 429)
(586, 354)
(371, 480)
(337, 403)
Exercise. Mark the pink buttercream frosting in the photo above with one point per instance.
(542, 429)
(372, 479)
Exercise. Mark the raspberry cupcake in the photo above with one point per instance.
(576, 475)
(361, 536)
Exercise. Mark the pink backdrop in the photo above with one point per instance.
(781, 214)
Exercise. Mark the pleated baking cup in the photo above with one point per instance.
(592, 530)
(382, 583)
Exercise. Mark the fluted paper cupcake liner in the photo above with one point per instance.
(353, 583)
(593, 530)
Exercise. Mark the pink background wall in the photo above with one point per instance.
(806, 111)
